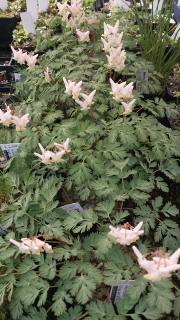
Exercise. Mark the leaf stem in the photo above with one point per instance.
(92, 115)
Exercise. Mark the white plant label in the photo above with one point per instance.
(118, 290)
(143, 75)
(33, 8)
(72, 206)
(43, 5)
(3, 5)
(9, 150)
(17, 76)
(27, 22)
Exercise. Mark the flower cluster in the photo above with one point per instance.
(48, 157)
(121, 91)
(21, 57)
(113, 46)
(73, 88)
(127, 234)
(7, 118)
(159, 267)
(71, 14)
(34, 246)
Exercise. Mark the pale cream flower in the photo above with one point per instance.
(31, 61)
(62, 7)
(72, 88)
(83, 36)
(159, 269)
(32, 246)
(69, 85)
(109, 30)
(63, 146)
(20, 122)
(5, 117)
(76, 90)
(46, 155)
(84, 104)
(128, 106)
(106, 45)
(126, 234)
(22, 247)
(88, 98)
(57, 156)
(121, 91)
(19, 55)
(115, 40)
(46, 74)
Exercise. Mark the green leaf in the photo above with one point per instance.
(72, 313)
(16, 309)
(100, 310)
(6, 253)
(177, 305)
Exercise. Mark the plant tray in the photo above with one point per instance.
(6, 70)
(7, 24)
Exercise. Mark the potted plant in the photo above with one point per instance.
(87, 143)
(9, 18)
(157, 46)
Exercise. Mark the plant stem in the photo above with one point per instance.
(92, 115)
(83, 315)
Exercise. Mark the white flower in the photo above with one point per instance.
(69, 85)
(76, 89)
(116, 58)
(46, 74)
(168, 260)
(88, 98)
(5, 117)
(22, 247)
(128, 106)
(63, 146)
(108, 29)
(57, 157)
(19, 56)
(75, 8)
(106, 44)
(62, 7)
(46, 155)
(126, 235)
(83, 36)
(20, 122)
(121, 91)
(36, 246)
(72, 88)
(35, 249)
(31, 61)
(84, 104)
(114, 40)
(158, 269)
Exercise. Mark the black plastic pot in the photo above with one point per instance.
(6, 71)
(7, 25)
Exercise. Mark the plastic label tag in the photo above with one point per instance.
(43, 5)
(9, 150)
(32, 7)
(118, 290)
(27, 22)
(72, 206)
(3, 5)
(17, 77)
(143, 75)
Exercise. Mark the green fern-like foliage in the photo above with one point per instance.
(115, 165)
